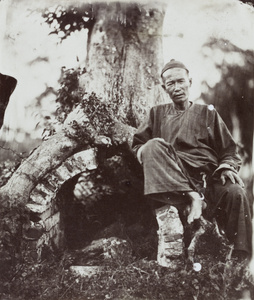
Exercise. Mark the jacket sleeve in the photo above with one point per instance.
(144, 133)
(226, 148)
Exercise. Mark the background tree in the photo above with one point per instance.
(233, 98)
(233, 94)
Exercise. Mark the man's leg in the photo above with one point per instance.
(161, 171)
(164, 175)
(230, 206)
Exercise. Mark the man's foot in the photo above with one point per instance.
(196, 206)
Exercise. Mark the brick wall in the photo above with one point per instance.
(45, 226)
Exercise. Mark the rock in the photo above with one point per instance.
(115, 248)
(170, 235)
(86, 271)
(107, 247)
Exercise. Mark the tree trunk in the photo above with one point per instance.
(123, 62)
(125, 58)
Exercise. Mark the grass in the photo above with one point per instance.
(127, 277)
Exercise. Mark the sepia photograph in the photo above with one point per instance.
(126, 150)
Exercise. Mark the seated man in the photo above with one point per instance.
(188, 156)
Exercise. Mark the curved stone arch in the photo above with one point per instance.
(44, 227)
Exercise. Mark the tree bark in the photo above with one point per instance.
(125, 58)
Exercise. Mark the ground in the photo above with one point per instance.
(132, 274)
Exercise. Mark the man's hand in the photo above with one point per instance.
(232, 176)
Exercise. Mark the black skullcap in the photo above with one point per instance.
(173, 64)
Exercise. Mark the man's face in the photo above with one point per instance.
(177, 83)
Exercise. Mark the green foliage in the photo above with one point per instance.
(98, 115)
(97, 120)
(12, 217)
(70, 94)
(232, 96)
(66, 20)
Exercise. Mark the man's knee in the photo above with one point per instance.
(236, 193)
(154, 146)
(235, 188)
(227, 198)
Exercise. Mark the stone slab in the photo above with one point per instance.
(85, 271)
